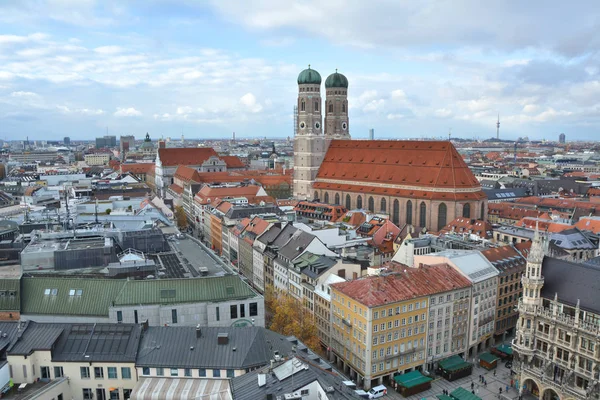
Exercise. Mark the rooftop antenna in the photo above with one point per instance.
(498, 128)
(449, 134)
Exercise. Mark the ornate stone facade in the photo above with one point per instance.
(557, 345)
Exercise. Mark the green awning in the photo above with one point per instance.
(453, 363)
(444, 397)
(505, 348)
(463, 394)
(488, 357)
(411, 379)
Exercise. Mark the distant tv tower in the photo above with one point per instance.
(498, 128)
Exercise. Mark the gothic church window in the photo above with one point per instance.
(383, 206)
(409, 212)
(330, 107)
(467, 210)
(396, 213)
(337, 198)
(442, 210)
(348, 205)
(302, 106)
(343, 107)
(422, 215)
(316, 106)
(371, 204)
(326, 199)
(359, 202)
(482, 217)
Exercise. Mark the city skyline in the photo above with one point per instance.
(74, 68)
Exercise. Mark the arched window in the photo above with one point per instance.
(302, 106)
(359, 202)
(316, 195)
(371, 204)
(316, 106)
(348, 205)
(467, 210)
(482, 211)
(383, 205)
(337, 198)
(409, 212)
(326, 197)
(396, 212)
(442, 211)
(343, 107)
(330, 107)
(422, 215)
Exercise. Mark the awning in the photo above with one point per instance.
(181, 388)
(505, 348)
(453, 363)
(488, 357)
(411, 379)
(463, 394)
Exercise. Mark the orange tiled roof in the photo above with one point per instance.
(332, 212)
(593, 191)
(555, 203)
(548, 226)
(185, 156)
(425, 164)
(137, 168)
(233, 162)
(588, 224)
(500, 253)
(176, 188)
(408, 283)
(467, 225)
(186, 174)
(353, 218)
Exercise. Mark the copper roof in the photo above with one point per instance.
(406, 284)
(406, 164)
(185, 156)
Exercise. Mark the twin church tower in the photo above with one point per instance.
(312, 136)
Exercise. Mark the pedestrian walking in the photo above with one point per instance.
(485, 383)
(506, 388)
(472, 385)
(494, 372)
(500, 390)
(472, 391)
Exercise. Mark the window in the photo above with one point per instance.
(201, 372)
(316, 106)
(119, 316)
(230, 373)
(233, 311)
(409, 212)
(114, 394)
(216, 373)
(160, 371)
(112, 372)
(58, 372)
(174, 316)
(135, 316)
(371, 204)
(125, 373)
(330, 107)
(467, 211)
(383, 205)
(396, 212)
(85, 372)
(326, 197)
(302, 106)
(359, 202)
(88, 394)
(442, 210)
(145, 371)
(348, 205)
(174, 372)
(98, 372)
(422, 215)
(218, 316)
(187, 372)
(253, 308)
(127, 394)
(337, 198)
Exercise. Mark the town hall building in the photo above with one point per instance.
(425, 184)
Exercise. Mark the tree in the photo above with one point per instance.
(108, 211)
(180, 217)
(289, 317)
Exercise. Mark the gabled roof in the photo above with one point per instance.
(233, 162)
(477, 227)
(137, 168)
(403, 285)
(186, 174)
(185, 156)
(409, 164)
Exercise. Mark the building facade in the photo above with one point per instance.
(557, 345)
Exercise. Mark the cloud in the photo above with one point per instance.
(249, 100)
(109, 50)
(127, 112)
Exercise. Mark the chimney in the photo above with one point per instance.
(198, 331)
(222, 338)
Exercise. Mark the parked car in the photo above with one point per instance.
(377, 392)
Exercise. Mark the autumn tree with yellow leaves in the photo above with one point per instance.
(290, 318)
(180, 217)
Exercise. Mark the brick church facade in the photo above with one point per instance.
(421, 183)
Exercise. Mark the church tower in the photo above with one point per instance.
(309, 144)
(533, 279)
(336, 108)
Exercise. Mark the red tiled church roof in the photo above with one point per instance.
(185, 155)
(426, 164)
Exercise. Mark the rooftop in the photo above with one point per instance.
(572, 282)
(406, 284)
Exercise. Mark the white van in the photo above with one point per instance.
(377, 391)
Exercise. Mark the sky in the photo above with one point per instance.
(205, 69)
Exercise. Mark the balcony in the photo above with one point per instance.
(347, 322)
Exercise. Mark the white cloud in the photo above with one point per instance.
(530, 108)
(443, 112)
(109, 50)
(249, 100)
(127, 112)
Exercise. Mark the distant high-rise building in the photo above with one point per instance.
(562, 138)
(106, 141)
(126, 143)
(66, 140)
(371, 134)
(498, 128)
